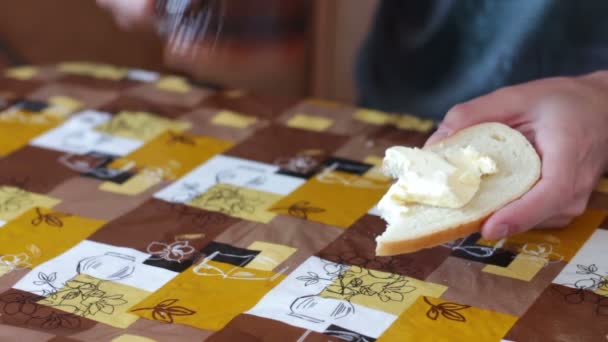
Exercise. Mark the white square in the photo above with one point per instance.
(589, 266)
(229, 170)
(106, 262)
(374, 211)
(143, 75)
(295, 301)
(78, 136)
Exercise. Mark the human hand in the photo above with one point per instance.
(130, 14)
(566, 119)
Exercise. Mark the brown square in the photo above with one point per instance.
(9, 280)
(563, 314)
(98, 83)
(157, 331)
(467, 283)
(19, 308)
(158, 221)
(18, 87)
(262, 106)
(307, 237)
(151, 93)
(400, 137)
(598, 200)
(361, 147)
(7, 98)
(10, 333)
(249, 328)
(90, 98)
(38, 170)
(357, 247)
(277, 142)
(201, 125)
(135, 104)
(342, 116)
(63, 339)
(81, 196)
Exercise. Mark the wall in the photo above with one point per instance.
(340, 27)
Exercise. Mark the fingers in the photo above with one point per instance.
(504, 105)
(129, 14)
(548, 202)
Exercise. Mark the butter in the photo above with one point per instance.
(450, 180)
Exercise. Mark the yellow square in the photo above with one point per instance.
(391, 293)
(174, 154)
(523, 267)
(102, 301)
(432, 319)
(310, 122)
(557, 244)
(15, 201)
(174, 84)
(101, 71)
(132, 338)
(62, 106)
(376, 172)
(602, 186)
(238, 202)
(413, 123)
(17, 128)
(137, 184)
(208, 295)
(333, 197)
(21, 73)
(46, 232)
(232, 119)
(141, 125)
(373, 117)
(271, 255)
(603, 290)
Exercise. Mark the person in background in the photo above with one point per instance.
(539, 66)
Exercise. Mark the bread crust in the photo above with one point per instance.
(390, 248)
(414, 244)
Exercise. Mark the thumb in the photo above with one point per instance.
(503, 105)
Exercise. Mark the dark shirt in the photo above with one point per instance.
(422, 57)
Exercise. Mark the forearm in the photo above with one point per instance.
(600, 79)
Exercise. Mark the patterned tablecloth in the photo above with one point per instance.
(139, 207)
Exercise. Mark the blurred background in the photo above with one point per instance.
(299, 48)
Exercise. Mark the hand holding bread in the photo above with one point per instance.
(561, 121)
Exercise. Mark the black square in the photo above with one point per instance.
(228, 254)
(348, 166)
(346, 335)
(174, 266)
(469, 250)
(102, 172)
(31, 106)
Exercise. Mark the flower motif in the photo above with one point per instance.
(106, 304)
(178, 251)
(13, 199)
(55, 320)
(20, 303)
(165, 311)
(9, 263)
(447, 310)
(301, 209)
(51, 219)
(175, 138)
(301, 163)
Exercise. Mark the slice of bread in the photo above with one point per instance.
(424, 226)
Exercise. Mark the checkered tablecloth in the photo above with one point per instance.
(137, 206)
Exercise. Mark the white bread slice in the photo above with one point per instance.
(519, 168)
